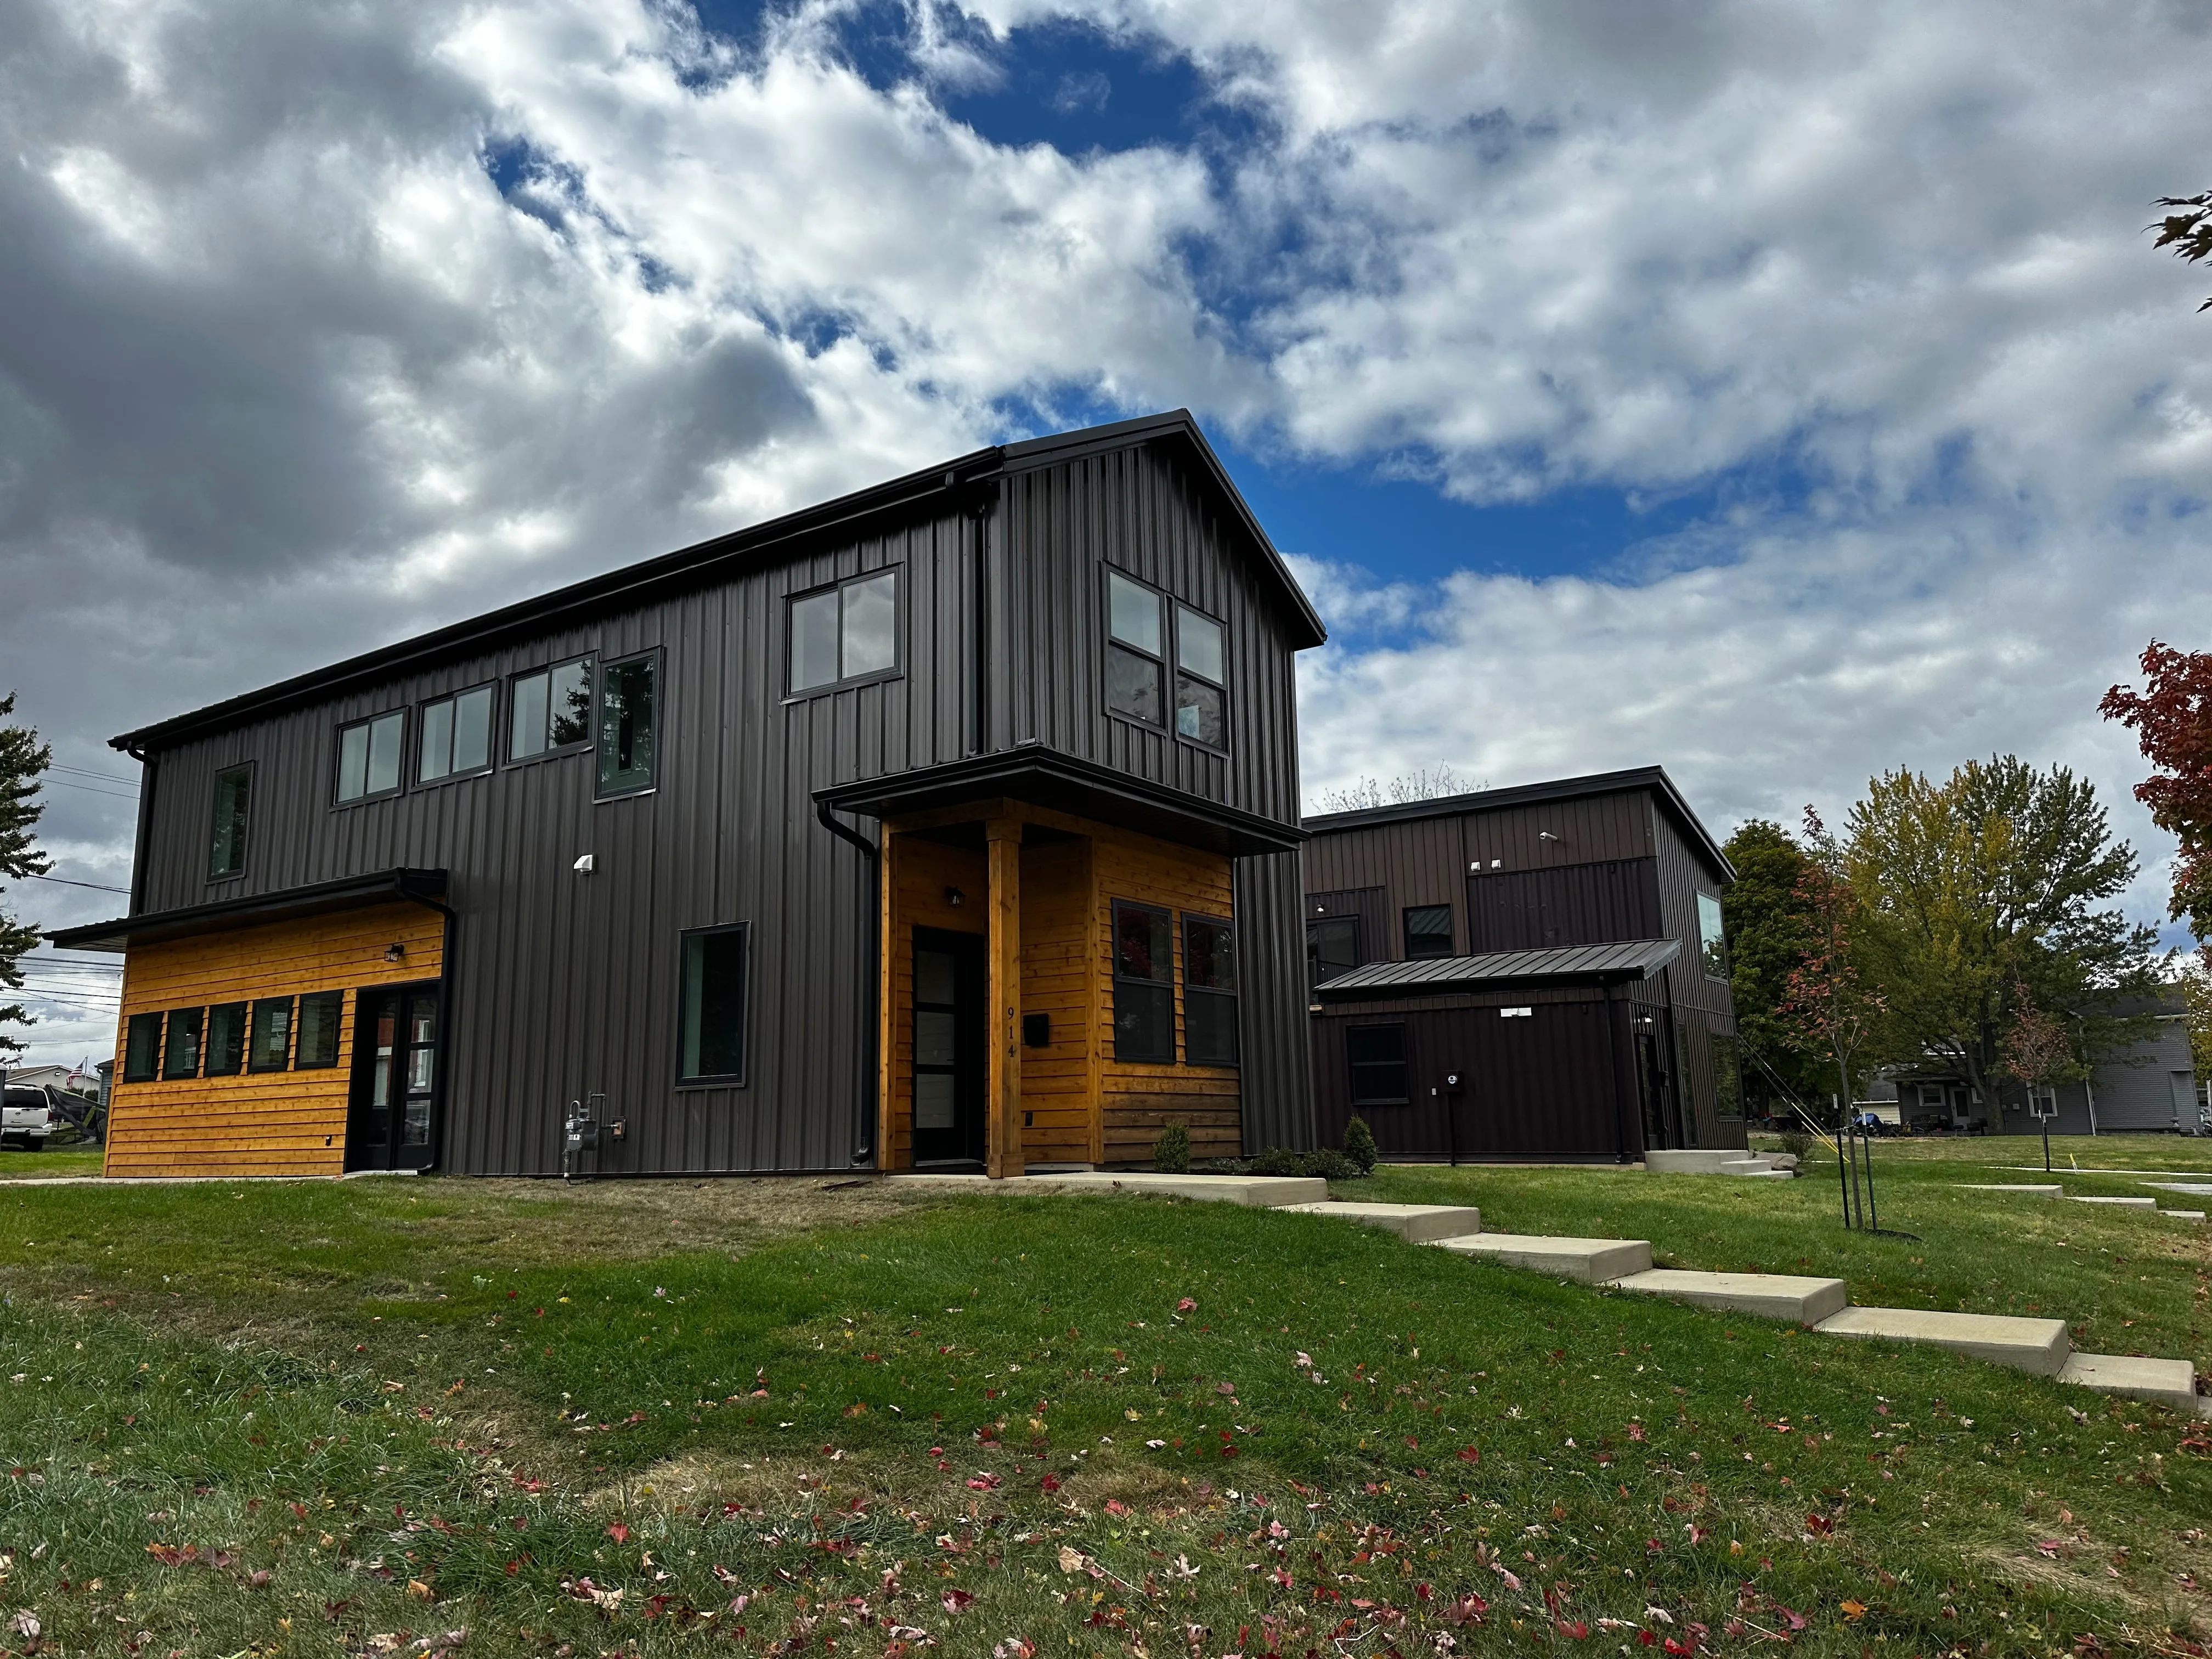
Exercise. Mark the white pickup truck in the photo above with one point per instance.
(26, 1117)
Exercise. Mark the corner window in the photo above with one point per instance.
(1201, 711)
(846, 633)
(1378, 1058)
(1135, 651)
(711, 1044)
(456, 735)
(234, 793)
(1209, 992)
(180, 1052)
(318, 1044)
(269, 1048)
(550, 710)
(141, 1048)
(1712, 939)
(369, 756)
(1428, 931)
(226, 1039)
(629, 707)
(1332, 948)
(1144, 984)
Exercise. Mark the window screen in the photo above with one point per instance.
(1332, 948)
(141, 1048)
(1135, 670)
(1377, 1054)
(713, 1040)
(1428, 931)
(629, 693)
(1712, 939)
(550, 709)
(1144, 984)
(318, 1044)
(1201, 712)
(456, 735)
(849, 632)
(234, 793)
(226, 1039)
(269, 1048)
(369, 756)
(180, 1050)
(1209, 992)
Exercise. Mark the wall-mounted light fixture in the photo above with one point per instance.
(954, 897)
(1546, 835)
(395, 951)
(584, 866)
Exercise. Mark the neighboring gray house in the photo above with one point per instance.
(2150, 1088)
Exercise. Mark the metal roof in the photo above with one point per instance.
(1630, 959)
(348, 893)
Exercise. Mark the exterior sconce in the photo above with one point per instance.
(954, 897)
(583, 866)
(395, 952)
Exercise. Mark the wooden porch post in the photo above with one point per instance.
(1003, 1143)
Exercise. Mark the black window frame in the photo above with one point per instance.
(233, 1064)
(422, 726)
(601, 790)
(736, 1079)
(1177, 609)
(1354, 1063)
(133, 1072)
(1162, 984)
(1211, 996)
(1313, 955)
(793, 692)
(336, 1001)
(585, 745)
(368, 723)
(1161, 659)
(235, 871)
(1450, 934)
(253, 1029)
(1712, 948)
(195, 1020)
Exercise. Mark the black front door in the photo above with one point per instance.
(950, 1033)
(1657, 1087)
(395, 1078)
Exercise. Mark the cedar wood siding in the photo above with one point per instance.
(564, 985)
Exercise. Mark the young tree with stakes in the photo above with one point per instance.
(1828, 1008)
(22, 759)
(2037, 1052)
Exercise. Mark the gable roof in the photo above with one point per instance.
(761, 546)
(1653, 778)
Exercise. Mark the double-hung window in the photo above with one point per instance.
(1136, 652)
(141, 1048)
(1378, 1058)
(234, 795)
(711, 1039)
(180, 1051)
(269, 1048)
(1428, 931)
(550, 710)
(842, 634)
(1144, 984)
(1201, 711)
(1209, 992)
(628, 711)
(369, 756)
(226, 1039)
(1332, 948)
(455, 735)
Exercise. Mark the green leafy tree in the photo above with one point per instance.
(1772, 929)
(1834, 1013)
(1987, 895)
(22, 759)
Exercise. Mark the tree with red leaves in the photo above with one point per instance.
(2172, 719)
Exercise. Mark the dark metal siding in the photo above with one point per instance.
(1580, 904)
(1416, 862)
(1701, 1006)
(1370, 908)
(1276, 1051)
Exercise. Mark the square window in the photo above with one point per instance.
(456, 735)
(1133, 684)
(1378, 1058)
(712, 1042)
(849, 632)
(180, 1049)
(320, 1012)
(1332, 948)
(369, 756)
(550, 709)
(269, 1048)
(1209, 992)
(627, 713)
(233, 794)
(1198, 645)
(226, 1039)
(1132, 613)
(1428, 931)
(141, 1048)
(1144, 984)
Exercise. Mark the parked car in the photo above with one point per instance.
(26, 1118)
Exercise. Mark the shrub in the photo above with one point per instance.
(1329, 1163)
(1359, 1144)
(1797, 1143)
(1171, 1151)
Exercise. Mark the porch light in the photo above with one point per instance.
(954, 897)
(395, 951)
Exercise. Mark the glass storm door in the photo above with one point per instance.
(949, 1037)
(395, 1078)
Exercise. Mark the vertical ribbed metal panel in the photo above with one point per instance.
(1703, 1005)
(1274, 1041)
(1578, 904)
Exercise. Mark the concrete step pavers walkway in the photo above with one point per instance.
(1714, 1161)
(2017, 1190)
(2169, 1382)
(1800, 1301)
(2116, 1203)
(1585, 1260)
(1417, 1224)
(2037, 1345)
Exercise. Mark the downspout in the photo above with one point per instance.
(864, 1126)
(448, 948)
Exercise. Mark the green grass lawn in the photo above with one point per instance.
(56, 1161)
(785, 1417)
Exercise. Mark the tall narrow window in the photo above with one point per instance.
(318, 1044)
(550, 709)
(1377, 1057)
(1428, 931)
(1332, 948)
(233, 794)
(141, 1048)
(456, 735)
(1712, 938)
(628, 711)
(1728, 1079)
(270, 1046)
(1201, 713)
(849, 632)
(1135, 670)
(1144, 984)
(369, 756)
(1209, 992)
(712, 1040)
(226, 1039)
(180, 1050)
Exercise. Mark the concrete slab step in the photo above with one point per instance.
(1586, 1261)
(2169, 1382)
(2120, 1203)
(2040, 1345)
(2016, 1190)
(1715, 1160)
(1263, 1191)
(2184, 1215)
(1417, 1224)
(1800, 1300)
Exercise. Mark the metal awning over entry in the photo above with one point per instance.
(1570, 964)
